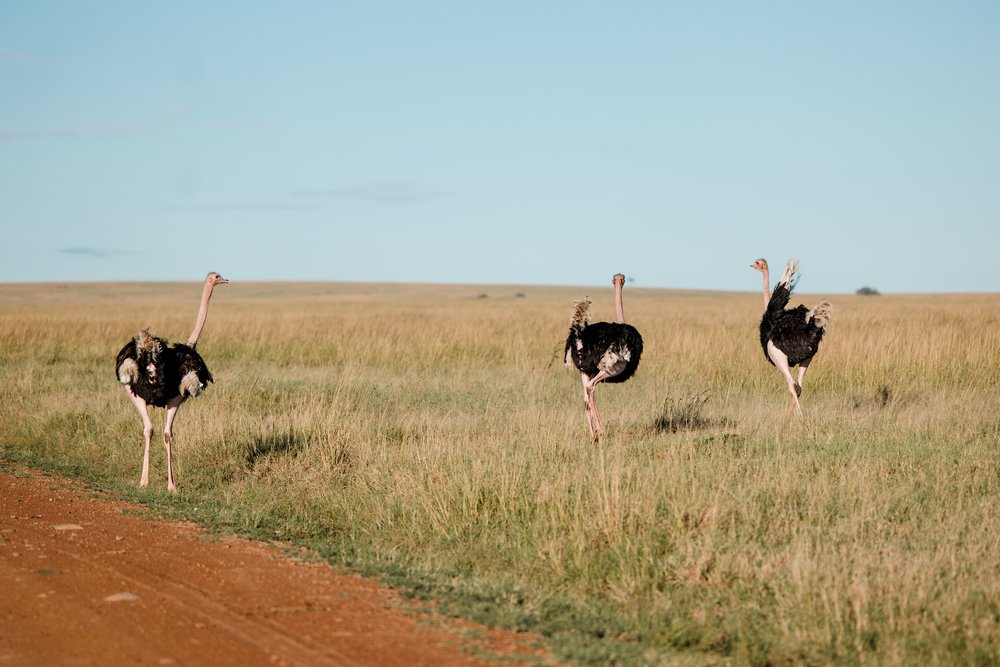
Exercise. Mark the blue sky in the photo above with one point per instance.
(513, 142)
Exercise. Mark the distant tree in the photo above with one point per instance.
(868, 291)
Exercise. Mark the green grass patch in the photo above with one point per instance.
(434, 440)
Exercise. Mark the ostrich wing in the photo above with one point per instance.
(779, 299)
(130, 371)
(192, 370)
(796, 337)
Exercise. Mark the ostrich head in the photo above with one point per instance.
(760, 264)
(214, 279)
(618, 279)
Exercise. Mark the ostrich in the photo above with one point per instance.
(602, 352)
(790, 337)
(158, 374)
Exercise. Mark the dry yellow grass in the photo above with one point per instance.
(426, 431)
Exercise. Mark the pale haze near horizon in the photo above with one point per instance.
(516, 143)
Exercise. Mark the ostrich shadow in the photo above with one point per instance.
(272, 445)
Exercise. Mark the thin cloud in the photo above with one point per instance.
(28, 59)
(129, 129)
(16, 56)
(123, 131)
(392, 194)
(85, 251)
(222, 208)
(55, 133)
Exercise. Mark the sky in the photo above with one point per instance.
(503, 142)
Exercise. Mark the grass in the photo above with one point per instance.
(433, 438)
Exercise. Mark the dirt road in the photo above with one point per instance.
(83, 583)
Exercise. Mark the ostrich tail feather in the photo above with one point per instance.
(581, 316)
(821, 314)
(146, 342)
(789, 277)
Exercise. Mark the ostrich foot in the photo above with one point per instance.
(596, 433)
(598, 422)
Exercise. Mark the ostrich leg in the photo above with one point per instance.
(802, 375)
(599, 431)
(591, 388)
(586, 404)
(780, 360)
(147, 433)
(168, 439)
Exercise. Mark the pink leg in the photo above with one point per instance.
(586, 404)
(168, 439)
(147, 433)
(591, 388)
(802, 375)
(599, 431)
(780, 360)
(601, 375)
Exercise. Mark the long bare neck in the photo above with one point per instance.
(618, 303)
(767, 291)
(206, 294)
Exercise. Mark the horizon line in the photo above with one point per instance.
(632, 286)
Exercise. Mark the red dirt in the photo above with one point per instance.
(84, 583)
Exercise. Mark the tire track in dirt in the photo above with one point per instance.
(64, 556)
(187, 601)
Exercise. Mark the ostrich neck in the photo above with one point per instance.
(767, 291)
(618, 304)
(202, 315)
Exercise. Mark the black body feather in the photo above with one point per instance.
(788, 329)
(161, 368)
(189, 360)
(597, 339)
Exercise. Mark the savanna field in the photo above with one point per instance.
(431, 436)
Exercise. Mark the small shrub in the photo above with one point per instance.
(868, 291)
(682, 414)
